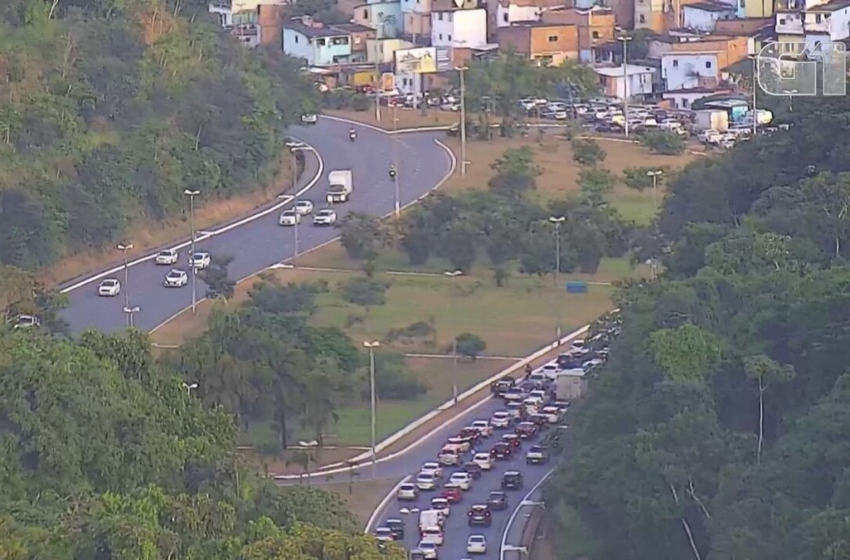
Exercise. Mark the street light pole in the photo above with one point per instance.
(461, 70)
(395, 162)
(373, 398)
(192, 194)
(294, 151)
(655, 175)
(189, 388)
(625, 40)
(454, 274)
(557, 221)
(126, 287)
(755, 89)
(130, 311)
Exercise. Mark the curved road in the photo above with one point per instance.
(261, 243)
(456, 530)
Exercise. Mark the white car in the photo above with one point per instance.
(552, 414)
(483, 427)
(289, 218)
(483, 460)
(384, 534)
(167, 256)
(325, 217)
(176, 279)
(200, 260)
(462, 444)
(515, 409)
(476, 544)
(449, 455)
(110, 287)
(501, 419)
(460, 480)
(304, 207)
(407, 491)
(426, 481)
(432, 535)
(26, 322)
(442, 505)
(433, 468)
(425, 550)
(310, 118)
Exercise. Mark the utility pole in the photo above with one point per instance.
(395, 162)
(294, 153)
(373, 398)
(461, 70)
(755, 89)
(655, 175)
(192, 194)
(454, 274)
(557, 221)
(625, 40)
(124, 247)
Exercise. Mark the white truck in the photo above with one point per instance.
(430, 518)
(340, 185)
(711, 119)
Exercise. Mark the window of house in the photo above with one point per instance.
(817, 18)
(505, 17)
(320, 42)
(296, 38)
(642, 18)
(440, 16)
(743, 3)
(781, 21)
(595, 34)
(552, 38)
(675, 64)
(685, 103)
(449, 37)
(441, 36)
(708, 64)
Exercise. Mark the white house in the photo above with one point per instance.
(827, 23)
(459, 28)
(515, 11)
(703, 16)
(686, 70)
(684, 98)
(614, 80)
(224, 11)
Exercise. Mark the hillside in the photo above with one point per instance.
(111, 108)
(720, 429)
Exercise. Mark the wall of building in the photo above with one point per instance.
(758, 8)
(417, 24)
(297, 45)
(685, 71)
(516, 38)
(745, 26)
(513, 13)
(383, 50)
(704, 20)
(834, 25)
(556, 42)
(459, 28)
(416, 6)
(650, 14)
(385, 17)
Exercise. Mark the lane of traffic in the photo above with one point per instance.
(259, 244)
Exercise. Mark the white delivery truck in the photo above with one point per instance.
(711, 119)
(429, 519)
(340, 185)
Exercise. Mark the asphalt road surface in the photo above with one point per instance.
(456, 530)
(261, 243)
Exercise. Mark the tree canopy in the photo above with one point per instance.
(111, 108)
(718, 428)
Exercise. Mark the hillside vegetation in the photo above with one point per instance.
(111, 108)
(720, 429)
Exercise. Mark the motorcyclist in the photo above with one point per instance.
(392, 171)
(352, 133)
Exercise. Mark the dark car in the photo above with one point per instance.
(397, 528)
(526, 430)
(537, 455)
(470, 434)
(473, 469)
(512, 440)
(512, 480)
(497, 501)
(502, 386)
(479, 514)
(539, 420)
(502, 450)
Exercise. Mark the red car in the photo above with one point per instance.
(470, 434)
(453, 495)
(512, 440)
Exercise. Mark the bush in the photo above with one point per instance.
(365, 292)
(662, 142)
(274, 297)
(360, 103)
(393, 380)
(470, 345)
(587, 152)
(419, 329)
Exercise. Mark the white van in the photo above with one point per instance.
(430, 518)
(432, 535)
(449, 455)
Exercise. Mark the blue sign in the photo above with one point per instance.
(576, 287)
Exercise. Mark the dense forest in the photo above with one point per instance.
(111, 108)
(720, 429)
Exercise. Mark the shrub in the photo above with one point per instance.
(662, 142)
(393, 379)
(470, 345)
(365, 292)
(587, 152)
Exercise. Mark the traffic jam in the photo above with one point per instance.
(527, 428)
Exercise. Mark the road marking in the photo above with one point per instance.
(512, 518)
(376, 514)
(203, 235)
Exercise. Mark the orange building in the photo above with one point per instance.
(546, 43)
(595, 27)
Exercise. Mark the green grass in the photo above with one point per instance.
(635, 206)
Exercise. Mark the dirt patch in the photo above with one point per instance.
(318, 458)
(362, 496)
(407, 118)
(146, 237)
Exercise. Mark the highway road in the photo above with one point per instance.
(456, 529)
(261, 243)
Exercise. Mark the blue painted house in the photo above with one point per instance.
(318, 45)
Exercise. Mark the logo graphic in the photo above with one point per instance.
(791, 69)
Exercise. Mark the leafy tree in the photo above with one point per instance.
(663, 142)
(216, 276)
(362, 235)
(639, 179)
(587, 152)
(596, 183)
(393, 379)
(469, 345)
(365, 292)
(515, 172)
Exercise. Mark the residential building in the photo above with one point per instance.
(459, 28)
(508, 12)
(789, 23)
(360, 36)
(385, 17)
(653, 14)
(634, 79)
(252, 5)
(549, 44)
(758, 31)
(416, 17)
(703, 16)
(223, 10)
(383, 50)
(685, 98)
(827, 23)
(316, 44)
(595, 27)
(698, 64)
(246, 27)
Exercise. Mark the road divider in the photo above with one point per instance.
(382, 505)
(504, 546)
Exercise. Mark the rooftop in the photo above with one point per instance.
(352, 27)
(710, 7)
(532, 3)
(833, 6)
(312, 32)
(528, 24)
(617, 71)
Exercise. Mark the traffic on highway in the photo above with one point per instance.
(339, 178)
(457, 503)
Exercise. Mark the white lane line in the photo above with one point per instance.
(203, 235)
(376, 515)
(519, 506)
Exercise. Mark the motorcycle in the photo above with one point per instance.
(392, 173)
(352, 136)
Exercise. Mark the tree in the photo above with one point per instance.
(362, 235)
(587, 152)
(639, 178)
(365, 292)
(216, 277)
(765, 372)
(596, 183)
(662, 142)
(469, 345)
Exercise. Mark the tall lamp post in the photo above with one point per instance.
(309, 446)
(130, 311)
(370, 346)
(557, 221)
(293, 151)
(192, 194)
(624, 38)
(124, 247)
(462, 70)
(190, 387)
(655, 175)
(454, 274)
(395, 162)
(755, 89)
